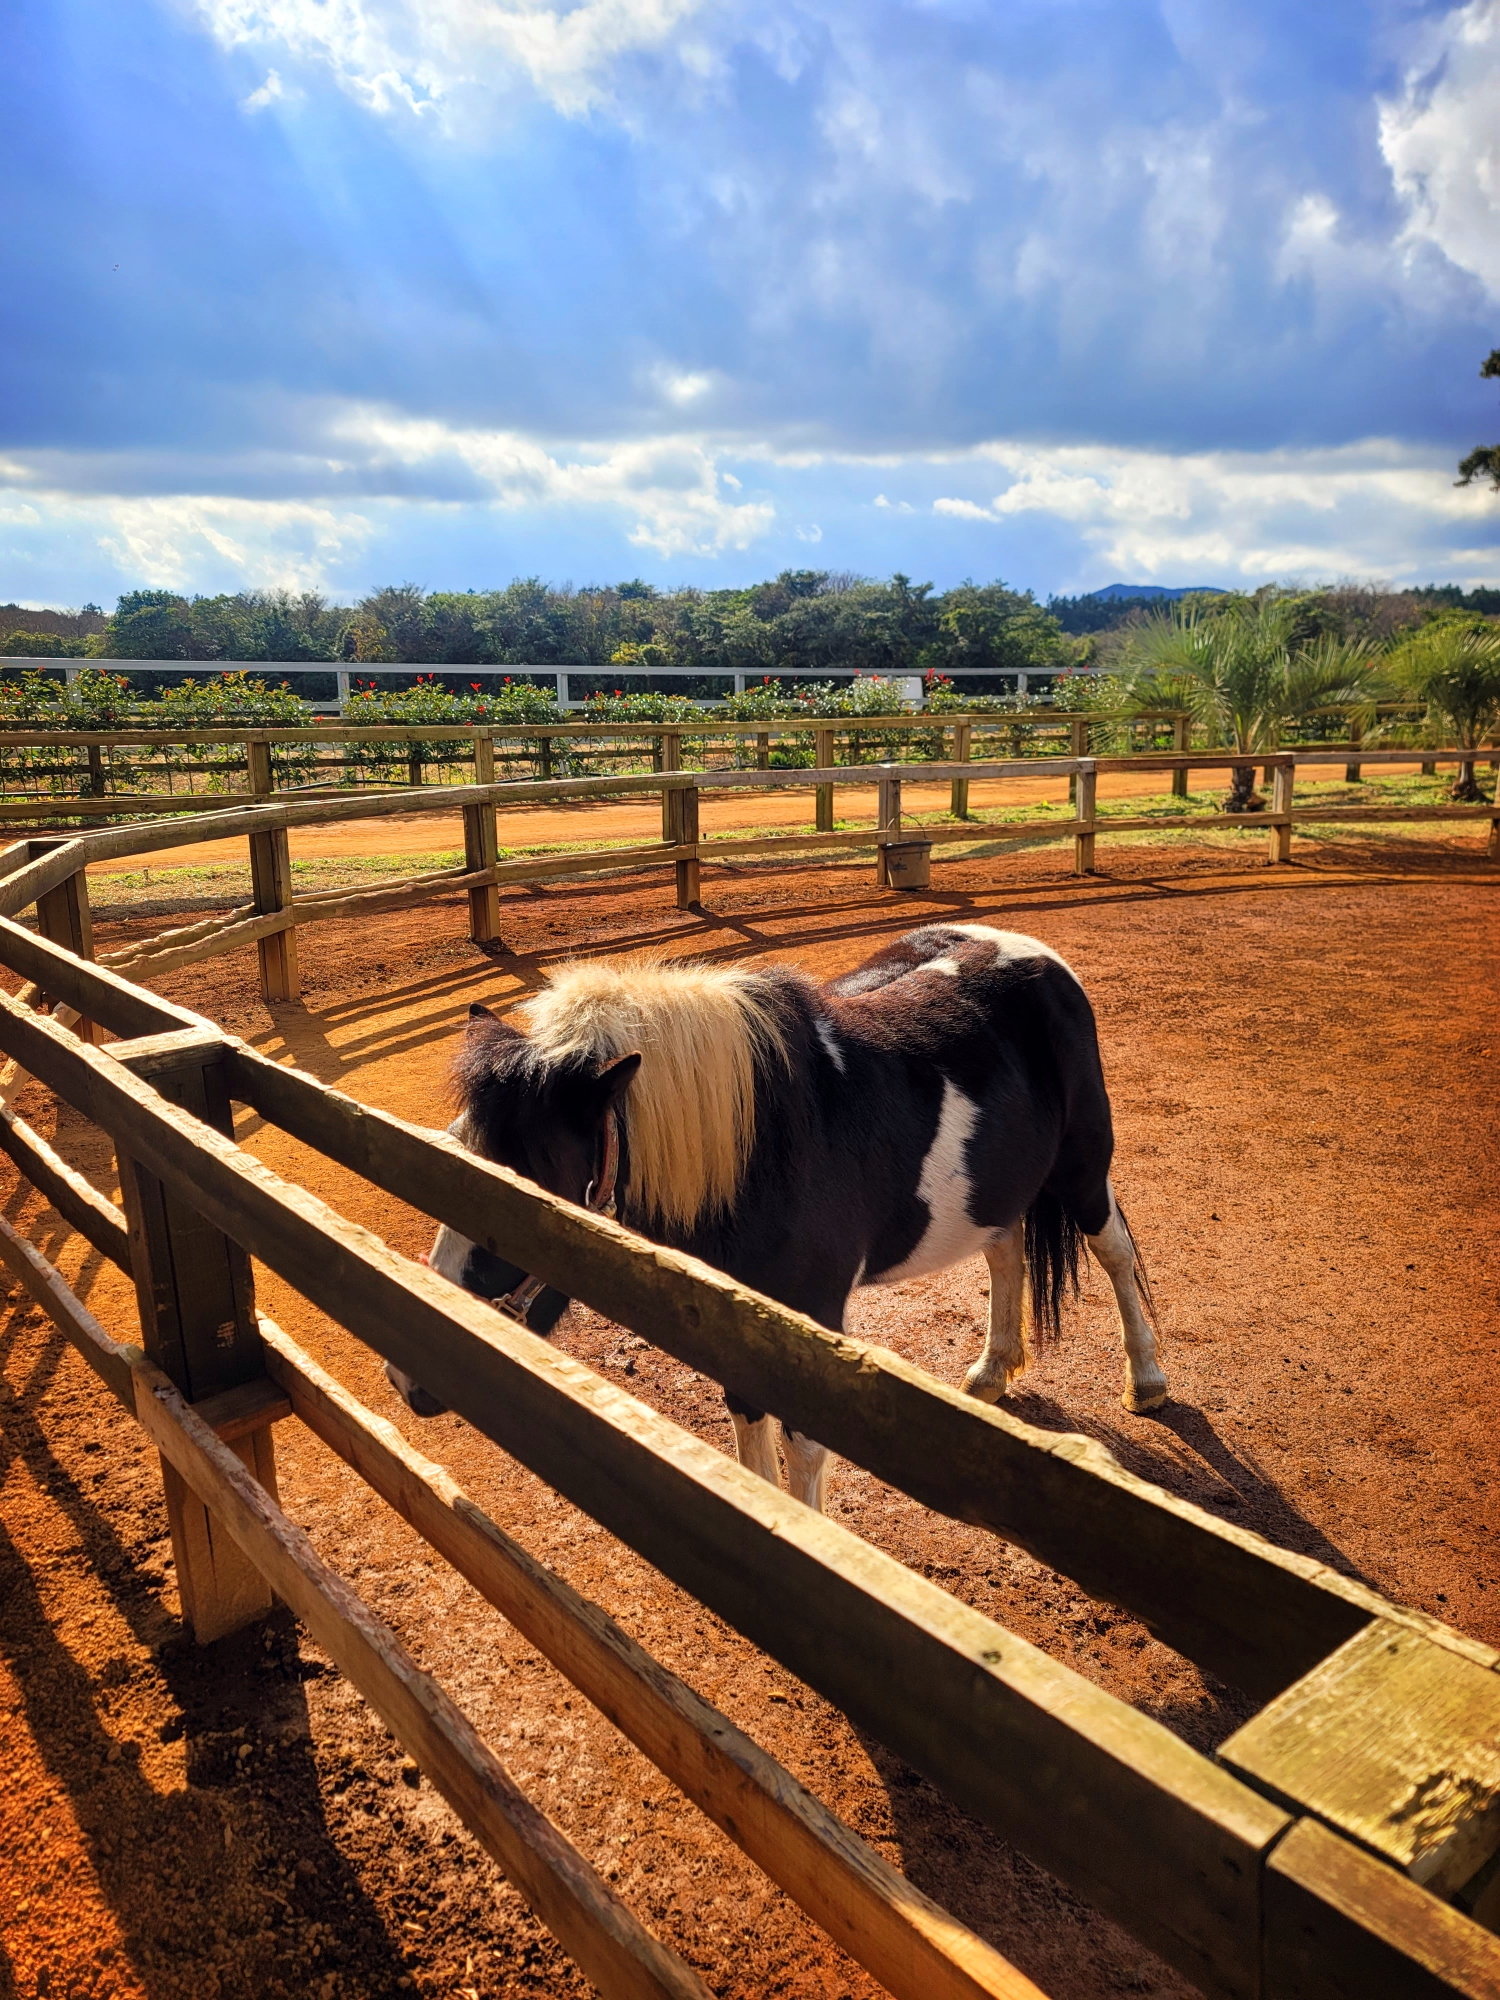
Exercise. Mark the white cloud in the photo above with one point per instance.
(1354, 510)
(177, 540)
(416, 54)
(1441, 141)
(667, 487)
(270, 92)
(681, 386)
(372, 483)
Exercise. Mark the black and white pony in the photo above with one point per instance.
(944, 1099)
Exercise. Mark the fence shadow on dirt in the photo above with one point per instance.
(1213, 1475)
(213, 1840)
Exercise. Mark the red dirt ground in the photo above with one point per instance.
(1302, 1062)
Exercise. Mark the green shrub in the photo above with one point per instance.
(40, 646)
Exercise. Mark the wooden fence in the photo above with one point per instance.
(1343, 1843)
(41, 779)
(275, 913)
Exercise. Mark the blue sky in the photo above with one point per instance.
(329, 293)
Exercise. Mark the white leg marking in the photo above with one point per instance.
(951, 1233)
(1004, 1350)
(449, 1254)
(946, 963)
(806, 1468)
(1145, 1379)
(830, 1043)
(756, 1445)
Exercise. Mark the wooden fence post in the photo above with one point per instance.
(1078, 746)
(1182, 729)
(1084, 814)
(482, 848)
(414, 763)
(261, 774)
(963, 738)
(271, 885)
(196, 1296)
(679, 814)
(823, 757)
(544, 760)
(669, 744)
(63, 917)
(763, 750)
(889, 821)
(96, 771)
(1356, 736)
(1283, 777)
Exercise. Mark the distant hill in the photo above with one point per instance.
(62, 624)
(1098, 610)
(1113, 591)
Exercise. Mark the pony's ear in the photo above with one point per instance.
(612, 1083)
(483, 1022)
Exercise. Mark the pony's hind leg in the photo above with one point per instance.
(754, 1439)
(1004, 1351)
(1145, 1381)
(806, 1467)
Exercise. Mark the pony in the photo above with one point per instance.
(944, 1099)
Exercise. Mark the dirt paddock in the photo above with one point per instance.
(1302, 1063)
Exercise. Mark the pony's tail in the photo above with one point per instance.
(1054, 1251)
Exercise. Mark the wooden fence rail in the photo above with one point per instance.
(1038, 731)
(1252, 1880)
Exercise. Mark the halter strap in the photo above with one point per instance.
(599, 1196)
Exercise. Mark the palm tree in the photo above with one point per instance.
(1455, 668)
(1241, 676)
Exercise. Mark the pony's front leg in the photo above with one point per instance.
(806, 1467)
(1004, 1351)
(1146, 1381)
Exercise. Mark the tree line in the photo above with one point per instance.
(817, 620)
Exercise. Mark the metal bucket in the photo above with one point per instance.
(908, 864)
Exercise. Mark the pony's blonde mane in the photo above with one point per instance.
(690, 1109)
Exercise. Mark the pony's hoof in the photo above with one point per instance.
(1141, 1402)
(985, 1388)
(421, 1402)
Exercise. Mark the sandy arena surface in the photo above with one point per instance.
(1302, 1064)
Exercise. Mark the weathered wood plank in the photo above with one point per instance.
(76, 1200)
(909, 1943)
(581, 1910)
(271, 878)
(90, 989)
(183, 934)
(1029, 1747)
(1257, 1615)
(249, 1406)
(218, 943)
(1354, 814)
(1340, 1925)
(1396, 1743)
(394, 896)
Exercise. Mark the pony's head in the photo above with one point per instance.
(671, 1049)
